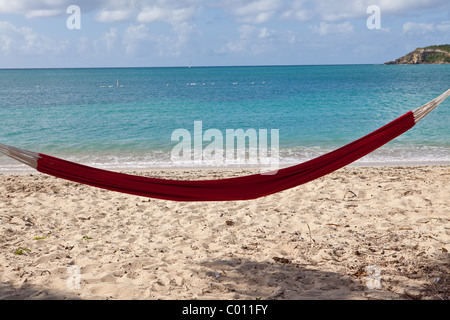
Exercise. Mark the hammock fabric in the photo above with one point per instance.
(238, 188)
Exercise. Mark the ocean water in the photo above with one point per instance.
(124, 118)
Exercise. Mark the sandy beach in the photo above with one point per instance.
(358, 233)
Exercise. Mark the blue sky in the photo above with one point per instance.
(152, 33)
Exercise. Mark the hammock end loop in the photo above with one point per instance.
(422, 111)
(26, 157)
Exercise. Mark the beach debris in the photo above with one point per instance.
(412, 295)
(20, 251)
(250, 246)
(311, 240)
(360, 272)
(86, 237)
(40, 238)
(281, 260)
(277, 295)
(213, 274)
(229, 222)
(353, 195)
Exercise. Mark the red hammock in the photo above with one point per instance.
(239, 188)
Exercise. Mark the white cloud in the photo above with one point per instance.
(252, 11)
(142, 11)
(444, 26)
(173, 28)
(24, 41)
(297, 10)
(332, 28)
(43, 13)
(138, 40)
(247, 31)
(244, 11)
(417, 28)
(247, 36)
(257, 41)
(114, 15)
(111, 39)
(145, 11)
(402, 6)
(264, 33)
(172, 15)
(152, 14)
(341, 10)
(184, 32)
(334, 11)
(36, 8)
(176, 13)
(134, 36)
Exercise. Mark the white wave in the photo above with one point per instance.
(394, 155)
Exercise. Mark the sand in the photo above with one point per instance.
(358, 233)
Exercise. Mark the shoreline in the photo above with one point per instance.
(319, 240)
(29, 170)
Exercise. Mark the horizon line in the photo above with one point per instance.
(194, 66)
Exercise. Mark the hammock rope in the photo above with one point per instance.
(228, 189)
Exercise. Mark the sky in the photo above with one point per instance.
(158, 33)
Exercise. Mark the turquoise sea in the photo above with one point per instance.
(123, 118)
